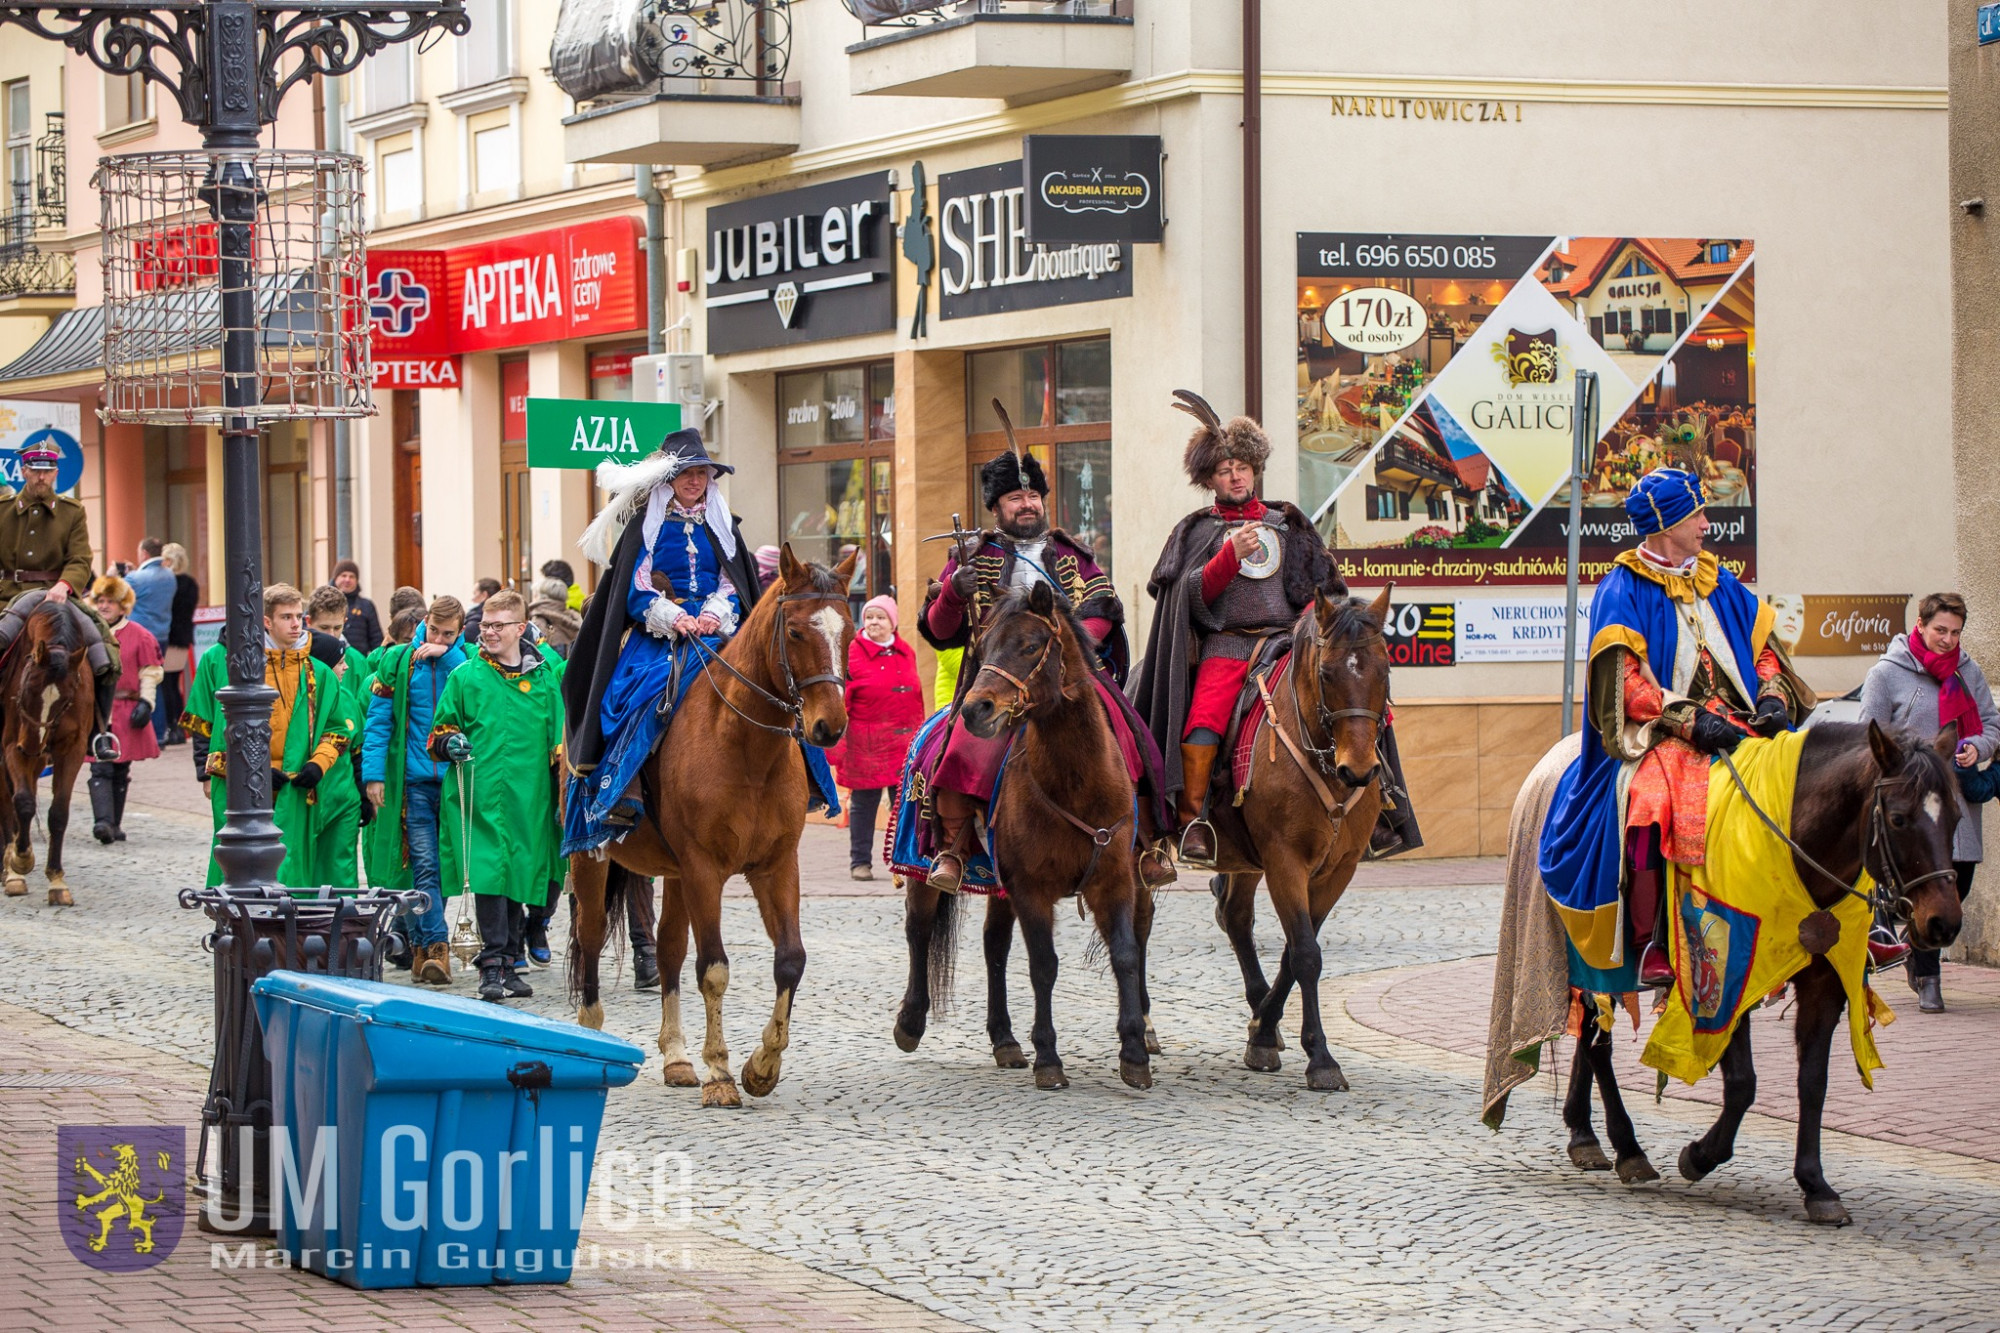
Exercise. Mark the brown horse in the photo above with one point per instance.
(1064, 815)
(49, 696)
(1866, 799)
(1304, 822)
(730, 772)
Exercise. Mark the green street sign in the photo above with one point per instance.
(583, 432)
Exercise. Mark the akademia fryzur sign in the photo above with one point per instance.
(583, 432)
(1093, 187)
(801, 266)
(987, 263)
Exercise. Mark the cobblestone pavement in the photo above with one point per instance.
(1220, 1198)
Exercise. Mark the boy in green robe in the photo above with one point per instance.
(307, 734)
(341, 811)
(500, 724)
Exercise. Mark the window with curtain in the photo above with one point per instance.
(388, 79)
(486, 53)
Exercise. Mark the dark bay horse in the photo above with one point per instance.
(1304, 823)
(1866, 799)
(1063, 820)
(727, 795)
(48, 697)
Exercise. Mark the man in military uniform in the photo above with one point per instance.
(1020, 551)
(45, 553)
(1233, 574)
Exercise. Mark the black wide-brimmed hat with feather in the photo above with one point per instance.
(1215, 440)
(1015, 470)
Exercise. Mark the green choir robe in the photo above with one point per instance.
(314, 730)
(511, 845)
(336, 855)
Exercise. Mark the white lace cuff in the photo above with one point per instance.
(660, 617)
(719, 606)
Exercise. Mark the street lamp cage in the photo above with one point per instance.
(290, 286)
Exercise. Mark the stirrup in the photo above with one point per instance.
(1202, 857)
(104, 748)
(1162, 862)
(951, 883)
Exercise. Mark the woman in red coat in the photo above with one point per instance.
(885, 706)
(131, 713)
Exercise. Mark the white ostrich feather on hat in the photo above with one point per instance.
(630, 484)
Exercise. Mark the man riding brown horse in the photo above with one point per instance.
(1233, 576)
(1019, 551)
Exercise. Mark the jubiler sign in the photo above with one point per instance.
(801, 266)
(990, 266)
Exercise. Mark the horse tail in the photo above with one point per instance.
(615, 888)
(943, 960)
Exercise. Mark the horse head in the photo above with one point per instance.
(1029, 662)
(1910, 825)
(814, 626)
(1343, 661)
(46, 684)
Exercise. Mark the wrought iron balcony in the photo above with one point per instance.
(27, 270)
(676, 82)
(52, 173)
(1020, 50)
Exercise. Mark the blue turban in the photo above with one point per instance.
(1663, 498)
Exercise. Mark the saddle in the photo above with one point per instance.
(15, 618)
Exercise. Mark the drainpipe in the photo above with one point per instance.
(1253, 211)
(332, 134)
(656, 258)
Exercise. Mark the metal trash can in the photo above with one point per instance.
(452, 1139)
(336, 932)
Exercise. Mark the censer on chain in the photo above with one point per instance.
(465, 941)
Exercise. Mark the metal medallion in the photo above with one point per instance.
(1270, 553)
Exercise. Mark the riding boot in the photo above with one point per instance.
(955, 811)
(103, 820)
(1197, 834)
(103, 744)
(643, 921)
(121, 781)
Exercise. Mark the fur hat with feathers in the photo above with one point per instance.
(1015, 470)
(1214, 440)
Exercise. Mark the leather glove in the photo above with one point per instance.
(1771, 717)
(279, 778)
(142, 713)
(964, 583)
(1712, 735)
(457, 748)
(308, 776)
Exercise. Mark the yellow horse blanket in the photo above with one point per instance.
(1735, 923)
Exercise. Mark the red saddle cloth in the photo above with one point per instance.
(1245, 747)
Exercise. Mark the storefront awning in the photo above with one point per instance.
(75, 342)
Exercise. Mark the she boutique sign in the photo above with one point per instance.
(989, 265)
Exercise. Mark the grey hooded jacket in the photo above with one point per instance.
(1900, 693)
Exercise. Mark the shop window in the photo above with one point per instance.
(287, 507)
(1059, 396)
(836, 473)
(515, 493)
(407, 432)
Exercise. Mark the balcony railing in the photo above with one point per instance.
(1015, 50)
(625, 48)
(52, 174)
(1398, 456)
(26, 270)
(913, 13)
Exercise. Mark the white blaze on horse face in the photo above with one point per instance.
(50, 697)
(1933, 807)
(1353, 664)
(828, 622)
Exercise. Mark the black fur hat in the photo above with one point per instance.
(1003, 476)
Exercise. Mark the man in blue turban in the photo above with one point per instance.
(1683, 664)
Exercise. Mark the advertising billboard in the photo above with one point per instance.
(1436, 378)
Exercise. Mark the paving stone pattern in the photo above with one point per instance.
(1222, 1198)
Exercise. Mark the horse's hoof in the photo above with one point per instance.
(21, 863)
(680, 1074)
(591, 1016)
(1263, 1059)
(1636, 1170)
(759, 1084)
(722, 1092)
(1588, 1156)
(1009, 1055)
(1689, 1168)
(1329, 1079)
(1049, 1078)
(1256, 1024)
(1827, 1213)
(1135, 1075)
(1152, 1039)
(59, 896)
(16, 887)
(905, 1040)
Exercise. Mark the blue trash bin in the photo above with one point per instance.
(431, 1140)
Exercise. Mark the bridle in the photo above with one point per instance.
(1892, 887)
(792, 703)
(1326, 759)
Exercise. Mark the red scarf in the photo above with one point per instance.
(1248, 512)
(1954, 703)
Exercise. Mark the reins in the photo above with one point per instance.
(793, 702)
(1874, 832)
(1325, 760)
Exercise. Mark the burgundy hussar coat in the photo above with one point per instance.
(885, 706)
